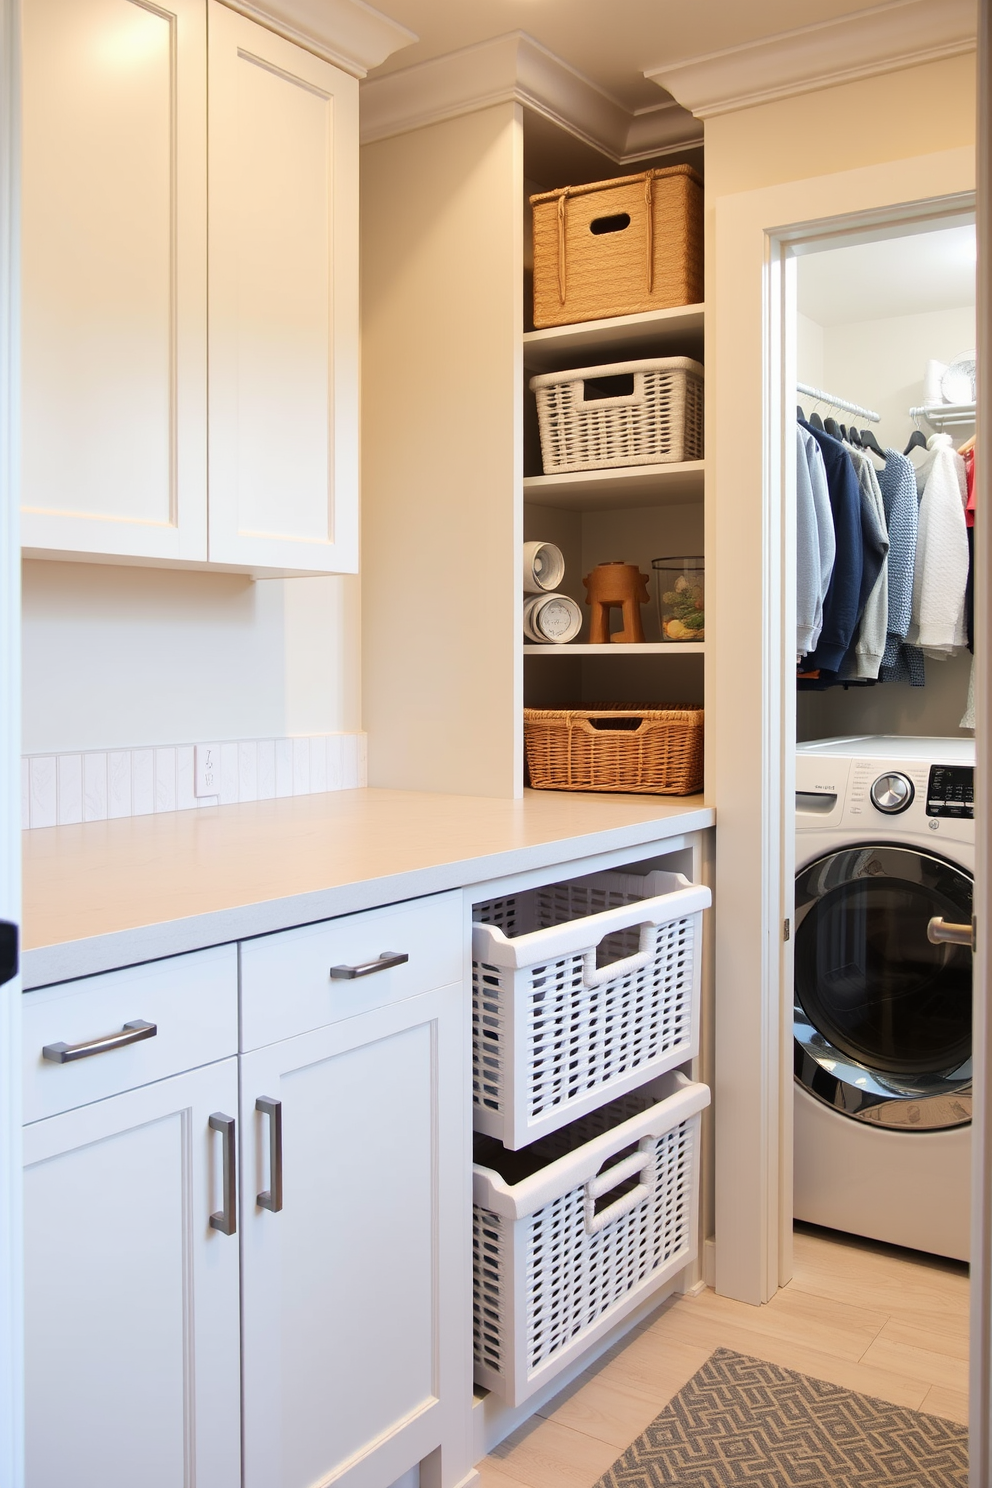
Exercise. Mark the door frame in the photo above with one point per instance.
(758, 236)
(11, 1289)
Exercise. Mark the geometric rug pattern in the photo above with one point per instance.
(745, 1423)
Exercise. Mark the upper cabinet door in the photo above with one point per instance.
(114, 294)
(283, 297)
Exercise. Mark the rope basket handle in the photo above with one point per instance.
(648, 235)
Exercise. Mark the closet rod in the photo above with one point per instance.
(869, 416)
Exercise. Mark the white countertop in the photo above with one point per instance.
(113, 893)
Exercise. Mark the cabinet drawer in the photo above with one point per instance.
(192, 1002)
(286, 982)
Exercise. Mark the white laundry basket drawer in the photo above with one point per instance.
(574, 1233)
(580, 991)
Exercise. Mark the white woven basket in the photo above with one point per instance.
(581, 991)
(589, 420)
(566, 1251)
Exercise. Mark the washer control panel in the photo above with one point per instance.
(892, 793)
(951, 791)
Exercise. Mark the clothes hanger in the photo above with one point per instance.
(800, 415)
(832, 427)
(815, 421)
(917, 440)
(868, 441)
(854, 437)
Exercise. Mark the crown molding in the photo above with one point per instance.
(885, 38)
(346, 32)
(515, 68)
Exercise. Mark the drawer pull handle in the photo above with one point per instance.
(226, 1219)
(131, 1033)
(271, 1198)
(381, 963)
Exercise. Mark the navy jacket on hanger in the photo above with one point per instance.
(850, 583)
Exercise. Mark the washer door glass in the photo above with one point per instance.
(867, 978)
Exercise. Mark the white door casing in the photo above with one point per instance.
(283, 322)
(11, 1290)
(749, 562)
(131, 1296)
(114, 285)
(980, 1383)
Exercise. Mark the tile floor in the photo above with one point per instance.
(884, 1321)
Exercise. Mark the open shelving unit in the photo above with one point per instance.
(632, 513)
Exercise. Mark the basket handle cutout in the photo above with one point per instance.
(595, 976)
(617, 725)
(595, 389)
(640, 1164)
(615, 223)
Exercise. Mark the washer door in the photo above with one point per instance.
(882, 1017)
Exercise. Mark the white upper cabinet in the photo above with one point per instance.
(114, 291)
(283, 133)
(123, 295)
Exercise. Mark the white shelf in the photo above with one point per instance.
(677, 332)
(646, 648)
(634, 485)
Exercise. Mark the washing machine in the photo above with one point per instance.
(885, 841)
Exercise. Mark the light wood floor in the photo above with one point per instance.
(887, 1322)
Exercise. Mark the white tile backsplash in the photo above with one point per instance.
(59, 790)
(94, 787)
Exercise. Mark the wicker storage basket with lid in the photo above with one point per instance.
(650, 750)
(618, 247)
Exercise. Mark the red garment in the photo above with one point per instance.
(969, 475)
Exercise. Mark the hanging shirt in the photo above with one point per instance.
(901, 503)
(869, 643)
(814, 542)
(843, 600)
(940, 571)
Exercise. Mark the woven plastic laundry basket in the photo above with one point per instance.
(647, 750)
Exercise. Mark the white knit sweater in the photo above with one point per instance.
(940, 573)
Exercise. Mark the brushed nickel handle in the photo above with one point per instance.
(226, 1219)
(940, 932)
(271, 1198)
(131, 1033)
(367, 968)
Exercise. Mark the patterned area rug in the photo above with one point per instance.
(742, 1421)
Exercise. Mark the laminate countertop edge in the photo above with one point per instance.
(71, 957)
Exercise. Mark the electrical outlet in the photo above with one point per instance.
(207, 770)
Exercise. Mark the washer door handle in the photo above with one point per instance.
(941, 932)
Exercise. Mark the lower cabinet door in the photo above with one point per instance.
(356, 1246)
(131, 1295)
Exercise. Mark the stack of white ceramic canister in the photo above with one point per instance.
(549, 618)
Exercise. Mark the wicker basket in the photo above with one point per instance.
(618, 247)
(648, 412)
(656, 751)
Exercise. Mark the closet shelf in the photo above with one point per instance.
(622, 337)
(646, 648)
(631, 486)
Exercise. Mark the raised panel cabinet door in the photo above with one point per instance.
(356, 1246)
(283, 318)
(131, 1295)
(113, 253)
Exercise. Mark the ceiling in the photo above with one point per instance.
(898, 276)
(611, 44)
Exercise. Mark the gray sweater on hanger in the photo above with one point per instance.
(897, 480)
(815, 543)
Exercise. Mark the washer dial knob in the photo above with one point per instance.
(892, 793)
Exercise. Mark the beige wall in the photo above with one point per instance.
(893, 117)
(118, 656)
(442, 401)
